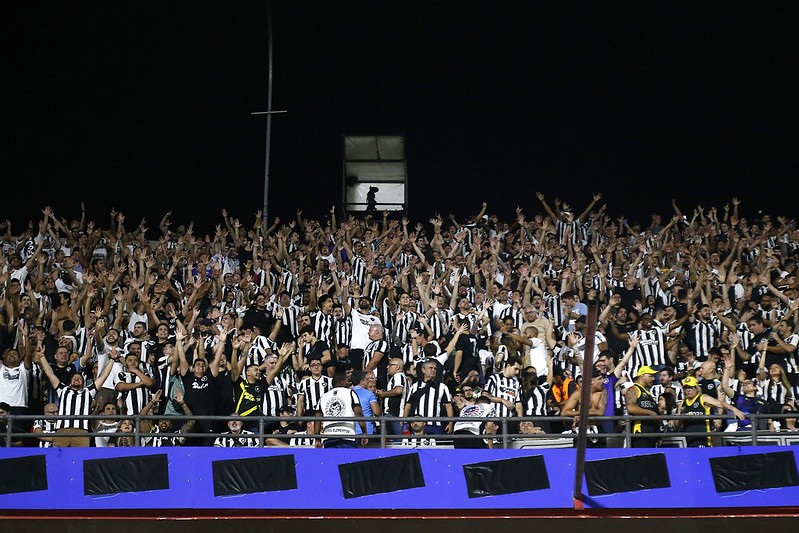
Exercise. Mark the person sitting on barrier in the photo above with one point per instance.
(527, 427)
(699, 405)
(473, 408)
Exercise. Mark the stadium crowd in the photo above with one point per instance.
(375, 315)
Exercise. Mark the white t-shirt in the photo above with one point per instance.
(538, 356)
(14, 385)
(136, 317)
(477, 412)
(105, 427)
(338, 402)
(360, 329)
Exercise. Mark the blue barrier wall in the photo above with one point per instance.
(443, 485)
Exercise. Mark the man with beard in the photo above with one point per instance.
(75, 399)
(362, 320)
(475, 410)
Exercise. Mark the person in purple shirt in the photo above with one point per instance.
(611, 374)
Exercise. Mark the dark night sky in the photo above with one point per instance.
(145, 106)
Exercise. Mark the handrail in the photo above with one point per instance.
(383, 438)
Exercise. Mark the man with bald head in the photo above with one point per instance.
(394, 395)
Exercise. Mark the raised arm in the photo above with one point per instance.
(627, 355)
(41, 360)
(552, 216)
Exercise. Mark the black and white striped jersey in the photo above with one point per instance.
(776, 392)
(374, 347)
(301, 439)
(323, 326)
(48, 428)
(73, 402)
(651, 350)
(245, 439)
(291, 315)
(427, 400)
(403, 322)
(703, 336)
(156, 439)
(133, 400)
(440, 321)
(359, 269)
(274, 397)
(259, 349)
(313, 390)
(658, 389)
(534, 402)
(505, 388)
(395, 405)
(342, 332)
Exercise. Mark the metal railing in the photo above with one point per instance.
(502, 438)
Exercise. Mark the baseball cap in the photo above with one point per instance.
(690, 381)
(646, 370)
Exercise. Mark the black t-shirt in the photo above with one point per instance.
(199, 392)
(619, 346)
(469, 358)
(64, 374)
(317, 351)
(256, 317)
(223, 394)
(628, 296)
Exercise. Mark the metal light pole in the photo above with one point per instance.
(269, 112)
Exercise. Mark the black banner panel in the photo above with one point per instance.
(506, 476)
(377, 476)
(125, 474)
(755, 471)
(261, 474)
(12, 479)
(627, 474)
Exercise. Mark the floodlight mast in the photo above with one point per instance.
(269, 112)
